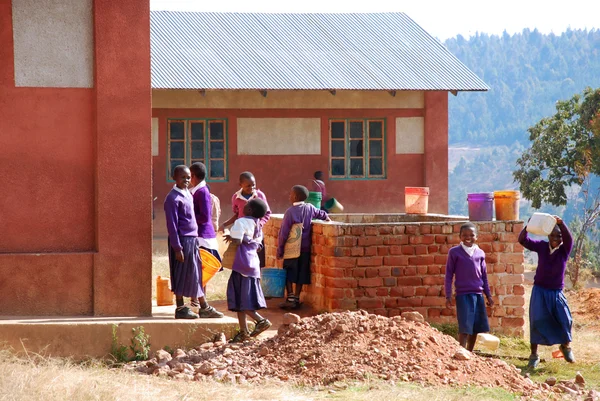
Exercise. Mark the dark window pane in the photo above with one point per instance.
(337, 129)
(356, 148)
(375, 167)
(337, 148)
(176, 130)
(216, 130)
(198, 131)
(375, 129)
(356, 129)
(356, 167)
(375, 148)
(217, 169)
(174, 163)
(338, 167)
(177, 150)
(198, 150)
(216, 150)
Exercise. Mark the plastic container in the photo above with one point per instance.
(507, 204)
(314, 198)
(273, 282)
(333, 206)
(481, 206)
(557, 354)
(210, 266)
(541, 224)
(416, 200)
(164, 295)
(487, 341)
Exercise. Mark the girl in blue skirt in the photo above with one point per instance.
(550, 319)
(466, 262)
(244, 293)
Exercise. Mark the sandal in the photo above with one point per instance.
(291, 302)
(260, 326)
(183, 312)
(209, 312)
(240, 337)
(567, 353)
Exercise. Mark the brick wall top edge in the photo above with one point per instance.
(436, 219)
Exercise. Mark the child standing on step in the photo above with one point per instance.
(298, 269)
(466, 262)
(550, 320)
(244, 293)
(184, 260)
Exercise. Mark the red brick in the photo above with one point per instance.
(393, 312)
(428, 239)
(359, 292)
(433, 249)
(454, 239)
(370, 303)
(395, 260)
(410, 271)
(359, 272)
(518, 248)
(446, 229)
(371, 230)
(434, 269)
(433, 301)
(512, 279)
(497, 267)
(345, 304)
(412, 229)
(420, 250)
(498, 246)
(421, 291)
(409, 281)
(334, 293)
(357, 251)
(519, 311)
(436, 229)
(368, 241)
(396, 271)
(416, 301)
(440, 239)
(448, 312)
(391, 302)
(340, 282)
(399, 230)
(371, 272)
(357, 230)
(499, 290)
(434, 291)
(433, 312)
(389, 281)
(370, 261)
(433, 280)
(499, 311)
(383, 251)
(444, 249)
(385, 230)
(384, 271)
(513, 300)
(513, 322)
(408, 291)
(396, 240)
(518, 290)
(403, 302)
(395, 250)
(485, 247)
(415, 239)
(422, 270)
(383, 292)
(333, 272)
(371, 251)
(440, 259)
(408, 250)
(396, 292)
(370, 282)
(341, 262)
(425, 228)
(421, 260)
(371, 292)
(518, 269)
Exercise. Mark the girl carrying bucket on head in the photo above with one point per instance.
(244, 293)
(550, 320)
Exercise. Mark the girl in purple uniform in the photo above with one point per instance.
(244, 294)
(466, 262)
(550, 319)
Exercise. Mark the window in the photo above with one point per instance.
(357, 148)
(205, 141)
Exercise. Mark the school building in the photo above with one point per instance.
(99, 99)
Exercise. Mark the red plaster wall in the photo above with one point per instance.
(76, 178)
(275, 175)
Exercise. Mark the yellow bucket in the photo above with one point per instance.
(210, 266)
(507, 204)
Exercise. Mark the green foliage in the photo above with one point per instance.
(118, 351)
(139, 348)
(450, 329)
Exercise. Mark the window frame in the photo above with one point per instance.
(366, 148)
(187, 140)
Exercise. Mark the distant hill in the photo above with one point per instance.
(527, 72)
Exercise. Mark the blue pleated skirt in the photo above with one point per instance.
(244, 293)
(186, 277)
(550, 319)
(471, 314)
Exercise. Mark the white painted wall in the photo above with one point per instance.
(410, 135)
(279, 136)
(54, 43)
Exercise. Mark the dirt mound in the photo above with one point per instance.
(585, 305)
(336, 347)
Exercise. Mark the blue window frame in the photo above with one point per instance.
(198, 140)
(357, 149)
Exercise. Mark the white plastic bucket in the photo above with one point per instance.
(541, 224)
(487, 341)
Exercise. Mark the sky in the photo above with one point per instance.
(440, 18)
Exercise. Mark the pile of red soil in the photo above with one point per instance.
(338, 347)
(585, 305)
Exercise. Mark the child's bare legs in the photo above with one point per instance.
(289, 287)
(534, 349)
(254, 315)
(179, 300)
(243, 322)
(467, 341)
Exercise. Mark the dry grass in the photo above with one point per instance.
(58, 379)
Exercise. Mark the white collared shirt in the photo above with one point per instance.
(298, 203)
(184, 191)
(202, 184)
(469, 249)
(552, 250)
(240, 196)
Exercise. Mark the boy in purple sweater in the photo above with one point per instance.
(550, 319)
(298, 269)
(184, 260)
(467, 262)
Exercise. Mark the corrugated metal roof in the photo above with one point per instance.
(378, 51)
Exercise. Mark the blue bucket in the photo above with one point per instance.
(273, 282)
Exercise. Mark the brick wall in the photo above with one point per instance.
(393, 266)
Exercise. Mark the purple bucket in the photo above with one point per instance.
(481, 206)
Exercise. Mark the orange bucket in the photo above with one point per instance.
(210, 266)
(416, 200)
(164, 296)
(507, 204)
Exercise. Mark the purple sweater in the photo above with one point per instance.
(470, 272)
(179, 211)
(550, 272)
(203, 212)
(303, 213)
